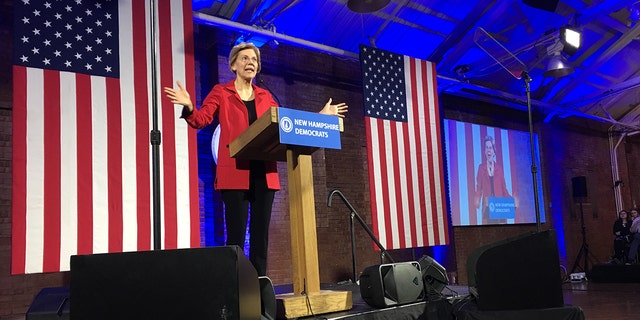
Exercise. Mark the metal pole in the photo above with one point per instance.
(534, 168)
(585, 246)
(155, 136)
(353, 248)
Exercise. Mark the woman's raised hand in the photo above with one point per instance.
(335, 109)
(179, 96)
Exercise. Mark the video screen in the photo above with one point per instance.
(489, 175)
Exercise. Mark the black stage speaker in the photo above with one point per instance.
(202, 283)
(434, 277)
(518, 273)
(579, 185)
(50, 304)
(614, 273)
(392, 284)
(546, 5)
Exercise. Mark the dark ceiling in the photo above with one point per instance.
(463, 37)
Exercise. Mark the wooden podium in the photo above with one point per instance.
(261, 142)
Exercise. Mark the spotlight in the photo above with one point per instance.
(558, 66)
(571, 40)
(366, 6)
(635, 11)
(259, 39)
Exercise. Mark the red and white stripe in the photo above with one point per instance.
(82, 156)
(406, 168)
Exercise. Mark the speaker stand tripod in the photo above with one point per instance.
(584, 253)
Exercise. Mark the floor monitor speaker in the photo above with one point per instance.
(518, 273)
(434, 276)
(392, 284)
(50, 304)
(202, 283)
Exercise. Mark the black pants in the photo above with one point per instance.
(236, 203)
(621, 248)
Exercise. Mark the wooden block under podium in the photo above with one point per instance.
(292, 306)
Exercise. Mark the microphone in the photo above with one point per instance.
(331, 196)
(262, 84)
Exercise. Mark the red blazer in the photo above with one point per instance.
(224, 102)
(483, 184)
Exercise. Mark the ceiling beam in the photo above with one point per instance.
(461, 30)
(202, 18)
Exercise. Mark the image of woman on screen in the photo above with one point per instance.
(491, 186)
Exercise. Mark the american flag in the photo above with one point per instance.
(81, 121)
(404, 149)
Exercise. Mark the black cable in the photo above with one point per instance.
(306, 295)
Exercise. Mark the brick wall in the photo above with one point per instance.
(305, 80)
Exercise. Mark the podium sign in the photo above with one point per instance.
(501, 208)
(309, 129)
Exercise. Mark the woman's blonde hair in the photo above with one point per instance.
(233, 55)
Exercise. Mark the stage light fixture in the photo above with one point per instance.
(634, 14)
(259, 39)
(635, 11)
(571, 40)
(557, 65)
(366, 6)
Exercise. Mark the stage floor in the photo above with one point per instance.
(361, 310)
(603, 301)
(598, 301)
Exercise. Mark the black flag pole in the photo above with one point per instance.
(154, 136)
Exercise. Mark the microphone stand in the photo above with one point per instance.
(354, 214)
(534, 168)
(584, 249)
(504, 57)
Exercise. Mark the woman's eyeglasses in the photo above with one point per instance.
(245, 59)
